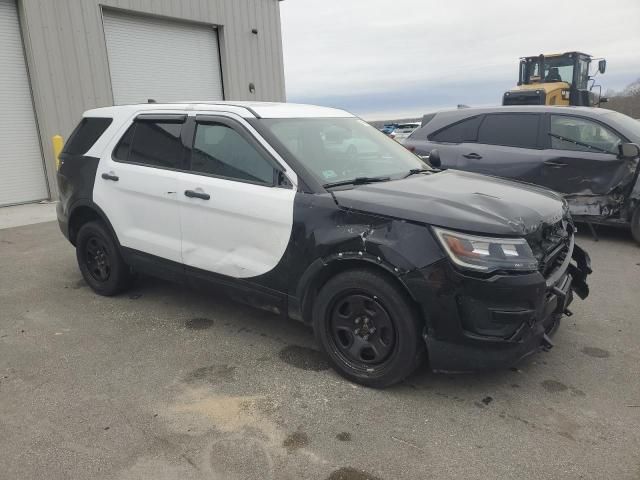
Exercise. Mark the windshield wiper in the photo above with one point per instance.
(357, 181)
(569, 140)
(416, 171)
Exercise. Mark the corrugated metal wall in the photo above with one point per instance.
(67, 56)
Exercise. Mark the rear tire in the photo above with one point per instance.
(100, 261)
(635, 224)
(368, 328)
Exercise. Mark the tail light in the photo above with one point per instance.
(411, 148)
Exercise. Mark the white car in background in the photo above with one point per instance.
(403, 130)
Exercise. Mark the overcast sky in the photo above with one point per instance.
(388, 59)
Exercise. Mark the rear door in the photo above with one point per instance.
(507, 146)
(136, 185)
(582, 157)
(236, 208)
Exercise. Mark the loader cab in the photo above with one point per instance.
(558, 79)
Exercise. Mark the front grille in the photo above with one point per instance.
(554, 260)
(550, 245)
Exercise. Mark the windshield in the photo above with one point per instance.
(556, 69)
(343, 149)
(627, 125)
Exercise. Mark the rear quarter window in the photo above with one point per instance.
(463, 131)
(88, 131)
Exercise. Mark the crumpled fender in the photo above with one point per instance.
(396, 246)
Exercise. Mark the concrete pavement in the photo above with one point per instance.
(164, 382)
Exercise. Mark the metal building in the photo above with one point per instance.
(59, 58)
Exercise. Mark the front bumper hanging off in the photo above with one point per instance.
(477, 324)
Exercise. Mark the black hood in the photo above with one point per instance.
(459, 200)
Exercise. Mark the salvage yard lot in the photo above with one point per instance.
(163, 382)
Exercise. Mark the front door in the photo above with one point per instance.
(236, 214)
(583, 158)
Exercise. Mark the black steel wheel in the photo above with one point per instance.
(368, 328)
(100, 261)
(361, 330)
(97, 259)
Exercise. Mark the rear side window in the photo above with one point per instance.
(221, 151)
(152, 143)
(460, 132)
(85, 135)
(510, 129)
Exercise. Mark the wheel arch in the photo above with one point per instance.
(322, 270)
(83, 212)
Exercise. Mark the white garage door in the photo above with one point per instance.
(161, 59)
(22, 177)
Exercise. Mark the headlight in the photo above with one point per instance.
(486, 254)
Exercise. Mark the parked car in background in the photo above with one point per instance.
(388, 259)
(590, 155)
(403, 130)
(388, 128)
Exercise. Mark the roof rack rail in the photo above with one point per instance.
(249, 109)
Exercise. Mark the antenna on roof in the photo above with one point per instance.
(151, 100)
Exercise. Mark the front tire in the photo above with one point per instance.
(368, 328)
(100, 261)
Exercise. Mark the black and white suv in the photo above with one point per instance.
(386, 257)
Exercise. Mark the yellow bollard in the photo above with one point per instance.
(58, 142)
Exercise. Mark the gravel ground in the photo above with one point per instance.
(164, 382)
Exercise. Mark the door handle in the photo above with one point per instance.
(472, 156)
(554, 164)
(194, 194)
(109, 176)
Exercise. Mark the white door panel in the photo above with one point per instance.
(142, 207)
(242, 231)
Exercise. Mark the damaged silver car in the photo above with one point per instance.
(590, 155)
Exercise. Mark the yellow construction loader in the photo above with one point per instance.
(557, 79)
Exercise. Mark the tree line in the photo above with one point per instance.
(626, 101)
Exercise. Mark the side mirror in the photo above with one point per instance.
(628, 151)
(602, 65)
(434, 159)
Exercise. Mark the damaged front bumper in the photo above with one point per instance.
(475, 323)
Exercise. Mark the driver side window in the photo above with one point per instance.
(221, 151)
(580, 134)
